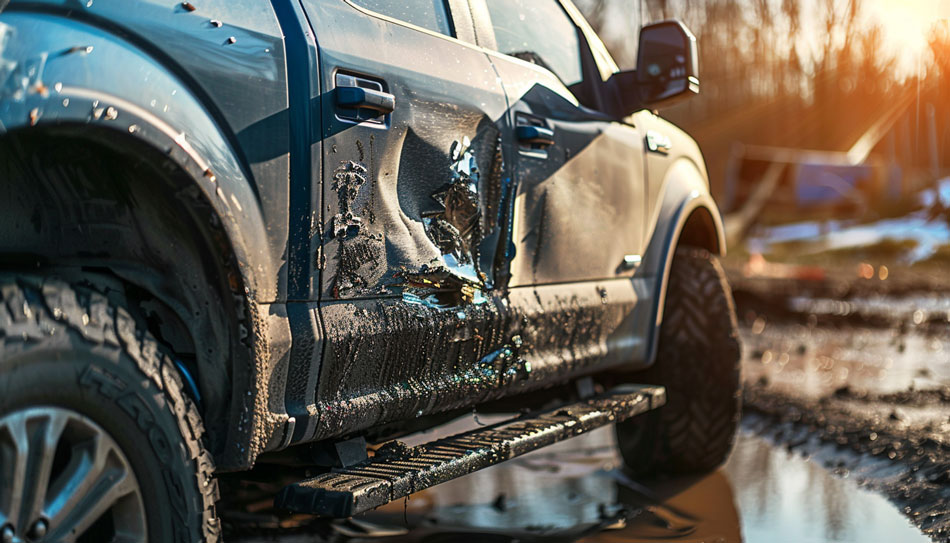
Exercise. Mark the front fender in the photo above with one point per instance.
(684, 193)
(68, 75)
(57, 71)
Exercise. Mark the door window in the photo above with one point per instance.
(538, 31)
(429, 14)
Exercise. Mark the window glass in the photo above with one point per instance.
(538, 31)
(429, 14)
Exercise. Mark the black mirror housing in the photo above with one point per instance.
(667, 64)
(667, 70)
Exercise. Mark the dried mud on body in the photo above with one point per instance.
(854, 374)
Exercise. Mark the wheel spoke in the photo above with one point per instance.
(10, 467)
(78, 479)
(40, 433)
(95, 479)
(94, 489)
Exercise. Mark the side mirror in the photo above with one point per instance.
(667, 64)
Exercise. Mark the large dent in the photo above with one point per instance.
(431, 236)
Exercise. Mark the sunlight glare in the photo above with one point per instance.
(907, 23)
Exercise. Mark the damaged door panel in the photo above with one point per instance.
(579, 206)
(578, 213)
(387, 360)
(410, 193)
(424, 228)
(414, 190)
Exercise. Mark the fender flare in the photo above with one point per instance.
(684, 194)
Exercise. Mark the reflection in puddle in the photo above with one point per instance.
(574, 491)
(783, 497)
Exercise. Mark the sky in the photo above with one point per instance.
(906, 24)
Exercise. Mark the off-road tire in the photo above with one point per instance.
(77, 347)
(698, 361)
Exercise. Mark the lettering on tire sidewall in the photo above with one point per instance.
(129, 400)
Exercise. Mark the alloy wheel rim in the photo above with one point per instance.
(63, 478)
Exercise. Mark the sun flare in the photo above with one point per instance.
(907, 23)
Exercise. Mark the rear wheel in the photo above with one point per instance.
(98, 442)
(698, 361)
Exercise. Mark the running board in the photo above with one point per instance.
(397, 472)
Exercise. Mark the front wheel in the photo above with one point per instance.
(698, 361)
(98, 441)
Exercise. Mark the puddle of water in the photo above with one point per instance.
(783, 497)
(573, 491)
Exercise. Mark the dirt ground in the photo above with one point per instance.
(856, 368)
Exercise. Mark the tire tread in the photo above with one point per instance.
(698, 361)
(38, 307)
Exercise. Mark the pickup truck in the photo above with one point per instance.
(266, 238)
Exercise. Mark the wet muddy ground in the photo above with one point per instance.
(845, 437)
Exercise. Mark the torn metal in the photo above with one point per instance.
(470, 207)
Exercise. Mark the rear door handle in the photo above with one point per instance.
(535, 135)
(361, 98)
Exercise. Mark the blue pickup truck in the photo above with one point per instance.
(267, 238)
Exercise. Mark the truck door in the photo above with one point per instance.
(579, 207)
(412, 117)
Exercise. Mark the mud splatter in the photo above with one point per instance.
(353, 255)
(494, 190)
(507, 363)
(359, 254)
(393, 450)
(536, 259)
(348, 178)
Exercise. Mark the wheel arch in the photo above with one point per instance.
(185, 164)
(688, 216)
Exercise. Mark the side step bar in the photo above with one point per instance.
(395, 473)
